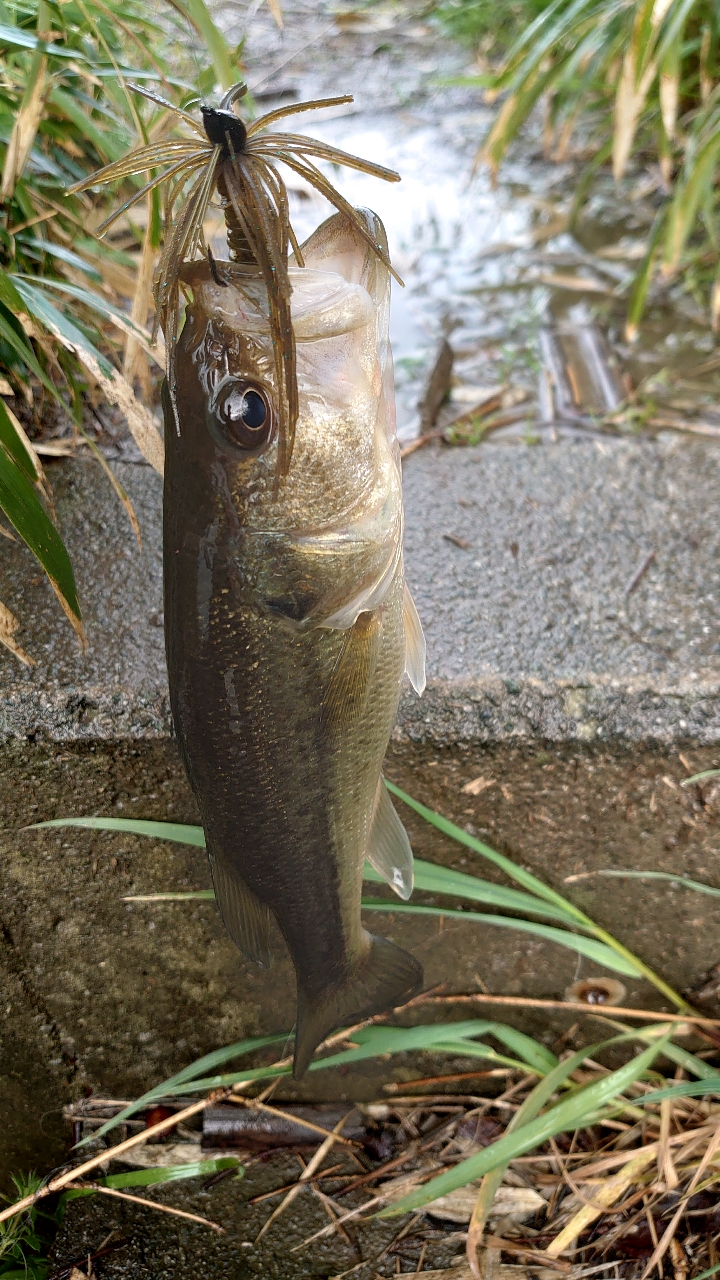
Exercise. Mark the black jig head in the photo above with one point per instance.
(224, 129)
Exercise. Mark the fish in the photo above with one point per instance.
(288, 622)
(289, 625)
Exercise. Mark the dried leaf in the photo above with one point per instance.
(518, 1203)
(135, 364)
(477, 785)
(607, 1195)
(8, 626)
(139, 419)
(276, 10)
(25, 128)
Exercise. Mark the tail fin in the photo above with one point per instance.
(388, 977)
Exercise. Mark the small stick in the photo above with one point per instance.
(327, 1175)
(531, 1002)
(153, 1204)
(70, 1175)
(305, 1176)
(640, 572)
(421, 441)
(535, 1255)
(395, 1087)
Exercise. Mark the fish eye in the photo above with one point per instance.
(244, 412)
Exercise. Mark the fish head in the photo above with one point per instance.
(336, 513)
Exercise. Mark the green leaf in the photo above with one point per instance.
(9, 294)
(58, 324)
(134, 826)
(569, 1114)
(677, 878)
(689, 1089)
(19, 38)
(510, 868)
(432, 878)
(197, 13)
(174, 1083)
(12, 332)
(700, 777)
(597, 951)
(161, 1174)
(100, 304)
(23, 508)
(63, 255)
(15, 444)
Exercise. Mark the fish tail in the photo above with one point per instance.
(388, 977)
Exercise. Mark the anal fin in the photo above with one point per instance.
(414, 643)
(346, 696)
(245, 917)
(389, 850)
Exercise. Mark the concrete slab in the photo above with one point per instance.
(531, 630)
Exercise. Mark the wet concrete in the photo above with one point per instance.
(531, 630)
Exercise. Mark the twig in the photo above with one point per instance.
(305, 1176)
(532, 1002)
(70, 1175)
(640, 572)
(534, 1255)
(152, 1204)
(421, 441)
(395, 1087)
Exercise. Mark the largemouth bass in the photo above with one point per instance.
(288, 622)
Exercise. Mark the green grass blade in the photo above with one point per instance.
(9, 294)
(543, 891)
(175, 1083)
(12, 332)
(531, 1051)
(476, 1049)
(58, 324)
(689, 1089)
(590, 947)
(432, 878)
(525, 878)
(698, 885)
(700, 777)
(674, 1052)
(64, 255)
(196, 12)
(175, 831)
(23, 508)
(15, 444)
(159, 1175)
(569, 1114)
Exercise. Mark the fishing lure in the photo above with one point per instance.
(288, 622)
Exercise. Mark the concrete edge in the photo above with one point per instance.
(494, 709)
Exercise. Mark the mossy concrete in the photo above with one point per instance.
(111, 996)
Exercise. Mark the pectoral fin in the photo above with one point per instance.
(414, 643)
(245, 917)
(347, 693)
(388, 848)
